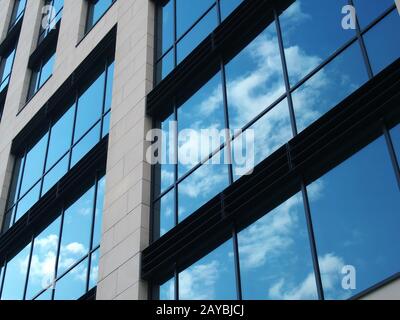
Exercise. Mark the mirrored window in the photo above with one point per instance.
(96, 10)
(321, 34)
(194, 21)
(41, 74)
(341, 77)
(52, 12)
(199, 120)
(18, 12)
(395, 135)
(355, 210)
(202, 185)
(211, 278)
(73, 285)
(61, 147)
(167, 290)
(275, 256)
(381, 46)
(75, 238)
(254, 79)
(43, 260)
(69, 248)
(368, 11)
(6, 64)
(15, 276)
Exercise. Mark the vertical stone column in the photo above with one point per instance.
(127, 198)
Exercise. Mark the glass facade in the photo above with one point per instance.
(61, 262)
(52, 13)
(96, 10)
(249, 92)
(182, 25)
(278, 85)
(68, 139)
(354, 209)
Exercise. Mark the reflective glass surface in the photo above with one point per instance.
(68, 247)
(275, 256)
(75, 239)
(355, 211)
(15, 276)
(329, 86)
(36, 173)
(194, 21)
(211, 278)
(41, 75)
(96, 10)
(43, 260)
(203, 111)
(18, 11)
(380, 43)
(5, 68)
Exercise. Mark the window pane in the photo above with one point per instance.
(369, 10)
(98, 8)
(110, 78)
(211, 278)
(395, 133)
(203, 111)
(28, 201)
(73, 285)
(94, 270)
(202, 185)
(254, 78)
(85, 145)
(8, 63)
(321, 34)
(43, 261)
(16, 180)
(99, 212)
(60, 138)
(58, 5)
(355, 212)
(167, 290)
(275, 257)
(34, 164)
(106, 125)
(328, 87)
(166, 25)
(165, 66)
(269, 133)
(227, 6)
(197, 34)
(164, 209)
(90, 107)
(15, 276)
(75, 239)
(55, 174)
(188, 12)
(168, 148)
(47, 70)
(380, 41)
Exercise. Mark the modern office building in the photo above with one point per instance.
(86, 215)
